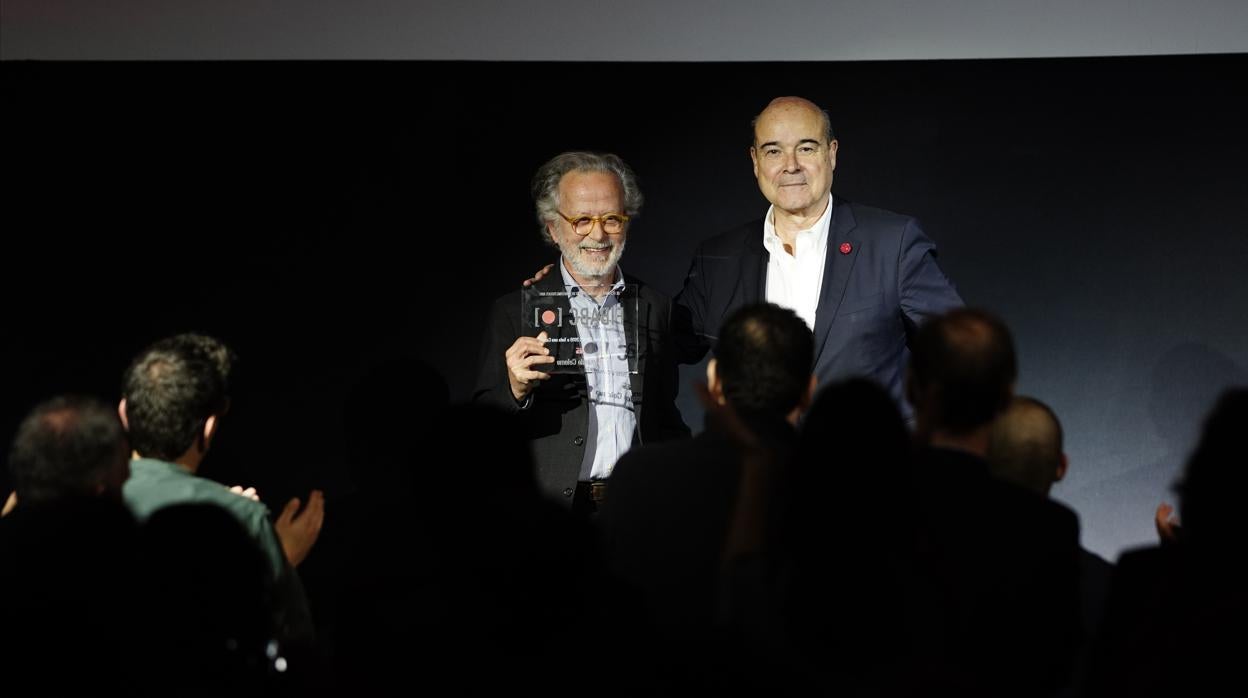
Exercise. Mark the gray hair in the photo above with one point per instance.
(546, 183)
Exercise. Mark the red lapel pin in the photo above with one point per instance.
(846, 248)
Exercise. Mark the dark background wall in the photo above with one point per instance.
(327, 217)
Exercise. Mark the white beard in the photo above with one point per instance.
(586, 267)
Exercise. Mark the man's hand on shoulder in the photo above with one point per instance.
(541, 274)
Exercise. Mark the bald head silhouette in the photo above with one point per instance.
(1025, 446)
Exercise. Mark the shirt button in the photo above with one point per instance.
(578, 441)
(567, 491)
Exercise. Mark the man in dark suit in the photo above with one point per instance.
(619, 387)
(998, 564)
(1025, 448)
(669, 512)
(673, 505)
(862, 278)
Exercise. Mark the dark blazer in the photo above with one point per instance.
(1169, 624)
(668, 512)
(880, 281)
(557, 420)
(999, 576)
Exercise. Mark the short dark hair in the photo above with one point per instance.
(962, 370)
(171, 389)
(1025, 446)
(764, 358)
(66, 447)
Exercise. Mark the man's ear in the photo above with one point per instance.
(803, 402)
(210, 430)
(713, 384)
(550, 230)
(1062, 466)
(121, 412)
(832, 145)
(754, 159)
(808, 398)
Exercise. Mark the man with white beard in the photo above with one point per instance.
(576, 369)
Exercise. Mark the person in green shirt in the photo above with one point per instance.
(174, 396)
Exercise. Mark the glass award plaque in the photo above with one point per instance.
(589, 330)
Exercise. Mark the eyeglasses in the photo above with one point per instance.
(612, 223)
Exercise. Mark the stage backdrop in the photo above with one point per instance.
(326, 218)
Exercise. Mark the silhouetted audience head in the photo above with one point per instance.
(962, 371)
(1025, 446)
(69, 567)
(212, 584)
(855, 447)
(1216, 478)
(851, 485)
(763, 360)
(853, 429)
(69, 447)
(171, 390)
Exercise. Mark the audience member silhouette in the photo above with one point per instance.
(69, 447)
(668, 511)
(999, 565)
(174, 396)
(1176, 613)
(70, 565)
(849, 549)
(459, 570)
(210, 591)
(1025, 448)
(849, 558)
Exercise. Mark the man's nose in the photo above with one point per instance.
(790, 163)
(597, 230)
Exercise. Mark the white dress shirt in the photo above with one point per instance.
(612, 418)
(794, 280)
